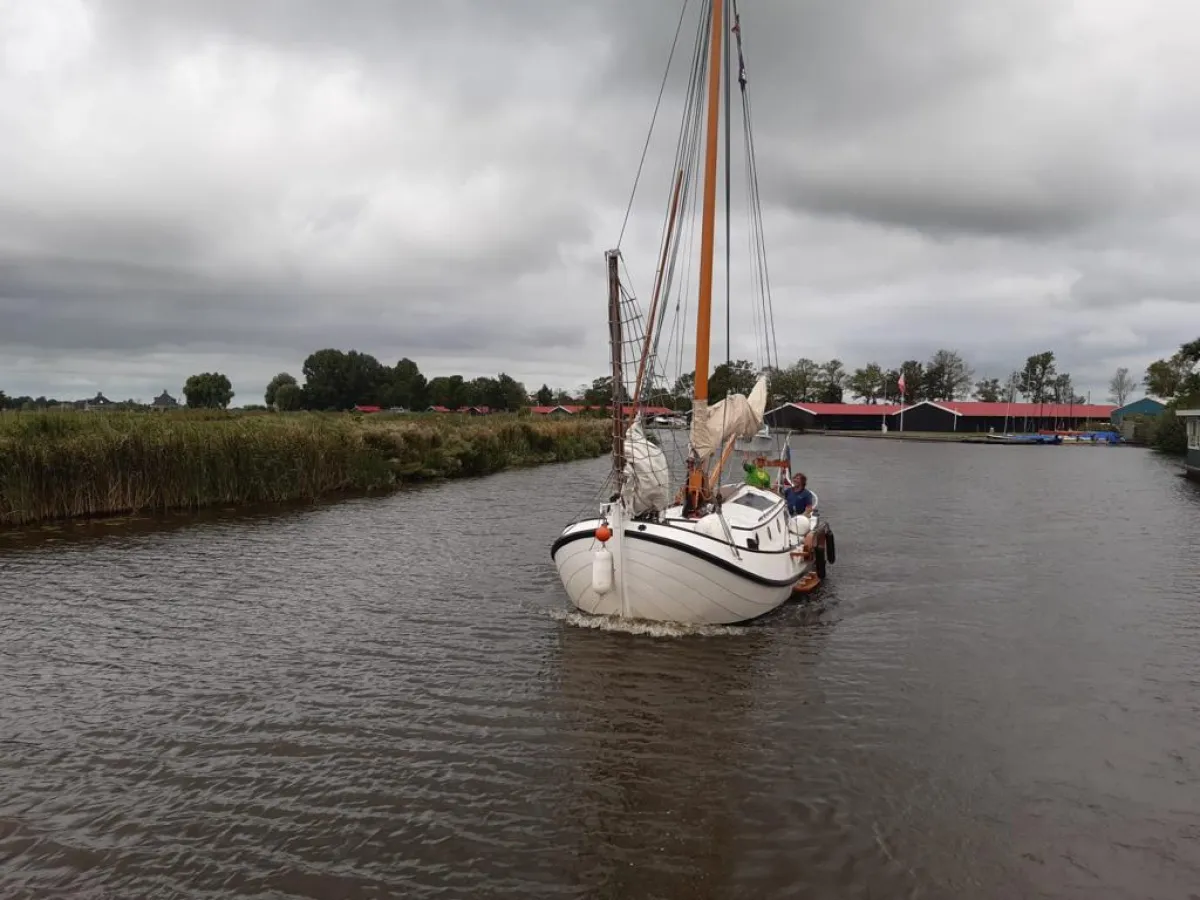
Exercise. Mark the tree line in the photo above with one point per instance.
(944, 376)
(339, 380)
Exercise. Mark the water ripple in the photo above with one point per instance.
(994, 695)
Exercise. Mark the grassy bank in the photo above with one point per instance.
(56, 466)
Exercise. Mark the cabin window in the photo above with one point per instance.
(1193, 431)
(755, 501)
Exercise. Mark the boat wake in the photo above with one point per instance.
(646, 628)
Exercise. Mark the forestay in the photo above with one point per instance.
(735, 416)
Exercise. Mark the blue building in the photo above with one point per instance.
(1147, 406)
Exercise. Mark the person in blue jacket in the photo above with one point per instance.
(799, 498)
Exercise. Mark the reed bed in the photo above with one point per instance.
(65, 465)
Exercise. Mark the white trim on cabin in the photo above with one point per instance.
(933, 403)
(811, 412)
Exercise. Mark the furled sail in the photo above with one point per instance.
(647, 478)
(735, 416)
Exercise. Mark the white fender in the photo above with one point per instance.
(799, 526)
(602, 571)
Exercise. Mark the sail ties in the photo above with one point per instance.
(647, 482)
(735, 416)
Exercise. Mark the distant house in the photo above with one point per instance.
(1147, 406)
(475, 410)
(1191, 418)
(97, 402)
(366, 409)
(439, 409)
(164, 401)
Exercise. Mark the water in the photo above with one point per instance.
(997, 696)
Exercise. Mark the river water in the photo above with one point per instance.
(995, 695)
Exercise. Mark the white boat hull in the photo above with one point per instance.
(670, 573)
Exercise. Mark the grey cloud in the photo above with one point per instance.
(242, 181)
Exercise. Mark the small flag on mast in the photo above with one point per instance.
(900, 384)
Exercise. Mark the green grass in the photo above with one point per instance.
(65, 465)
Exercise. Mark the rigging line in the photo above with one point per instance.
(747, 117)
(688, 154)
(760, 330)
(762, 236)
(684, 157)
(645, 148)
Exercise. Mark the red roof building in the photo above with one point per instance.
(939, 415)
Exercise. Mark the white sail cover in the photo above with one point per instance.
(647, 478)
(735, 416)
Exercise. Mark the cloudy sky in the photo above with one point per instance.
(231, 184)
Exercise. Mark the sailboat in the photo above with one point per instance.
(699, 552)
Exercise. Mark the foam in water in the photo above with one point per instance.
(643, 627)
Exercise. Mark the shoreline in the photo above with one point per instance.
(66, 466)
(951, 437)
(923, 436)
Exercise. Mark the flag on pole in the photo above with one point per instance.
(900, 384)
(785, 477)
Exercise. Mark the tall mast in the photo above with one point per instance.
(618, 378)
(708, 220)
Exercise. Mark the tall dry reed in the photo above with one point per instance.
(63, 465)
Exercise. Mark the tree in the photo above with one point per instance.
(1167, 378)
(289, 397)
(1120, 387)
(831, 382)
(1037, 378)
(947, 376)
(988, 390)
(210, 390)
(449, 391)
(914, 381)
(334, 379)
(275, 384)
(3, 400)
(868, 383)
(1061, 389)
(406, 387)
(798, 383)
(891, 386)
(1012, 387)
(545, 396)
(601, 392)
(731, 378)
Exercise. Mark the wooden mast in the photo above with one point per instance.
(696, 481)
(618, 380)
